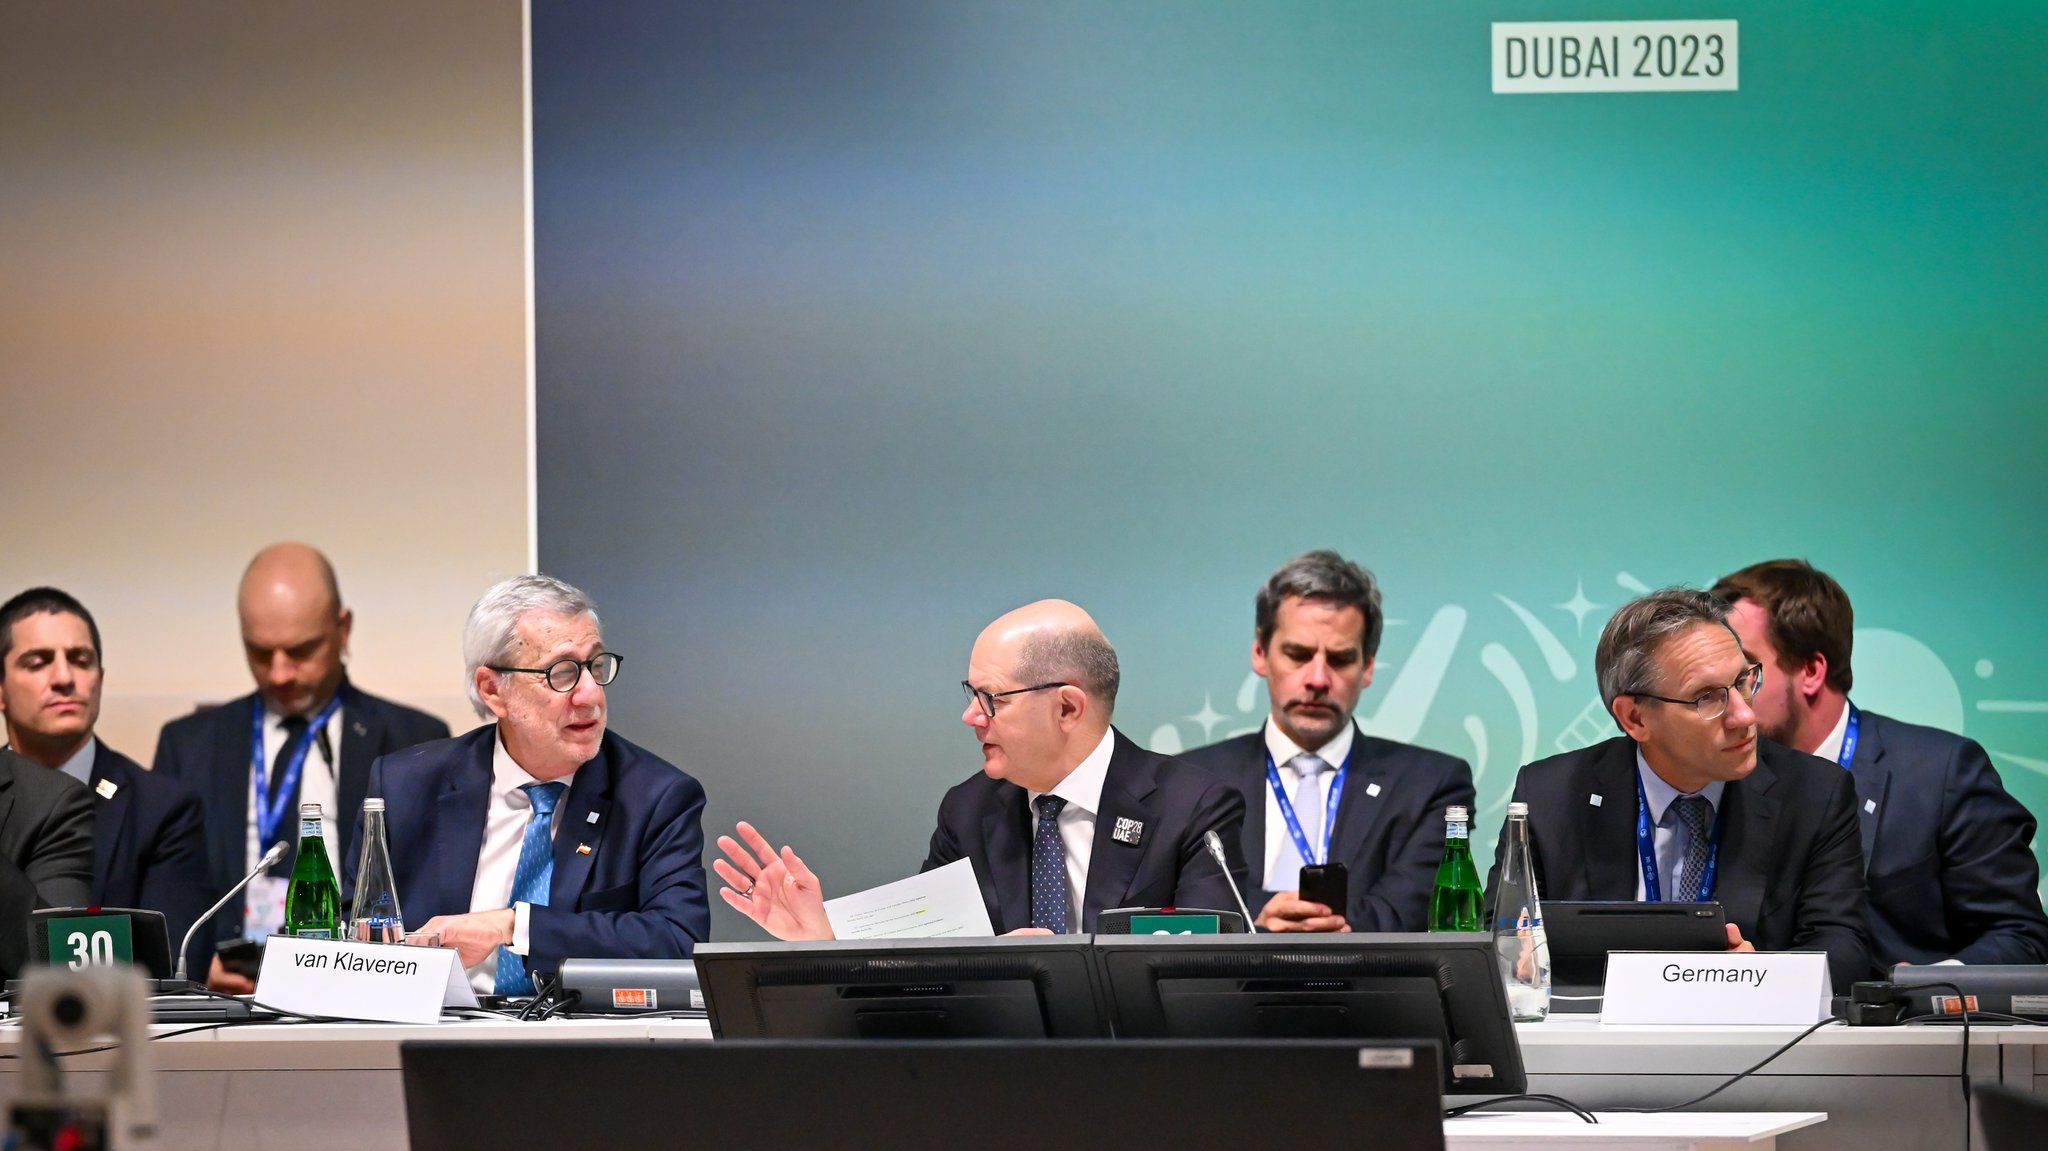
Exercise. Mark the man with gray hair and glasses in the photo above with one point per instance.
(541, 835)
(1690, 804)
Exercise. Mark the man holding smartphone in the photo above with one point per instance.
(1342, 829)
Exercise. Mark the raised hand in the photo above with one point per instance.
(774, 889)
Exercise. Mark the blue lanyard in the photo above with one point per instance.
(1847, 755)
(1330, 809)
(270, 809)
(1646, 852)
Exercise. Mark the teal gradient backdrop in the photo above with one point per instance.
(858, 325)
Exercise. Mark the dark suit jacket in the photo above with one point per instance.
(989, 821)
(209, 751)
(1951, 859)
(1791, 869)
(149, 843)
(1389, 843)
(45, 850)
(638, 894)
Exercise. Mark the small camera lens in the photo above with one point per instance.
(69, 1010)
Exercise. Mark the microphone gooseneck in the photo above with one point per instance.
(275, 854)
(1215, 843)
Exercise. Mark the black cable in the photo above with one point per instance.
(1966, 1011)
(566, 1000)
(1557, 1101)
(1738, 1077)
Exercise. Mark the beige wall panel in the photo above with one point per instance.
(262, 277)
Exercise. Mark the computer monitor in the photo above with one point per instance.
(1581, 934)
(990, 1095)
(1443, 989)
(1024, 987)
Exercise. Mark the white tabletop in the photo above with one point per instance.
(1753, 1130)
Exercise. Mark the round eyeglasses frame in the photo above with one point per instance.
(1713, 704)
(564, 674)
(987, 699)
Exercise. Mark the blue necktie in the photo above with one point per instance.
(1308, 811)
(1049, 868)
(1694, 812)
(530, 883)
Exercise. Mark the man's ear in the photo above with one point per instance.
(1628, 712)
(1074, 704)
(489, 690)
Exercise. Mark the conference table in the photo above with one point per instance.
(308, 1086)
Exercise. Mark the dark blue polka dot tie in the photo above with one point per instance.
(1049, 868)
(1695, 813)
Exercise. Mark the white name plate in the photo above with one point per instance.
(336, 977)
(1718, 987)
(1614, 56)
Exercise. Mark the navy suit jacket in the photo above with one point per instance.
(45, 850)
(1389, 833)
(209, 752)
(638, 893)
(149, 843)
(989, 822)
(1791, 868)
(1951, 859)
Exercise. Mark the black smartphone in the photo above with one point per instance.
(1328, 884)
(244, 957)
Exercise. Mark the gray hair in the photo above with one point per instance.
(492, 634)
(1625, 661)
(1326, 577)
(1080, 656)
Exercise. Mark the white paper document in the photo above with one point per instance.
(943, 901)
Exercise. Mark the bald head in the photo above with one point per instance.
(294, 629)
(1051, 680)
(1053, 640)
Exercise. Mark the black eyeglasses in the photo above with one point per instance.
(1712, 704)
(564, 674)
(987, 699)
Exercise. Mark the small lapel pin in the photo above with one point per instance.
(359, 729)
(1595, 799)
(583, 849)
(107, 788)
(1128, 831)
(1869, 805)
(1372, 789)
(591, 818)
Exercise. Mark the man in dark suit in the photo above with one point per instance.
(1066, 818)
(1949, 853)
(45, 850)
(543, 836)
(149, 839)
(1767, 832)
(313, 732)
(1373, 805)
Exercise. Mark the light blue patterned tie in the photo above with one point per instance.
(1049, 868)
(530, 883)
(1308, 810)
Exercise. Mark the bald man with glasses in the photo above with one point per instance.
(1691, 804)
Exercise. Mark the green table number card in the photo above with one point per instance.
(91, 941)
(1174, 925)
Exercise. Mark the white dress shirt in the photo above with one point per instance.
(1671, 838)
(505, 821)
(1283, 750)
(317, 784)
(1082, 789)
(1830, 748)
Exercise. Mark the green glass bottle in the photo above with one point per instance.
(312, 905)
(1454, 901)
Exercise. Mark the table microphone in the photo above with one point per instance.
(1215, 843)
(272, 856)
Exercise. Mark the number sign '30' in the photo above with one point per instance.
(91, 941)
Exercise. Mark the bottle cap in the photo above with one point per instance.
(309, 811)
(373, 804)
(1456, 814)
(1514, 809)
